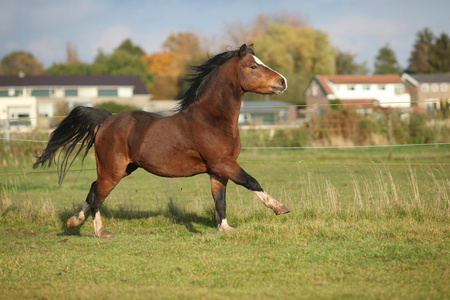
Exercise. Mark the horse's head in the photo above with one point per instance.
(256, 77)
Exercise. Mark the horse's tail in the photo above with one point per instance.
(79, 127)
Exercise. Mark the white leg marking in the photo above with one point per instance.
(98, 224)
(268, 200)
(223, 226)
(99, 231)
(79, 218)
(84, 213)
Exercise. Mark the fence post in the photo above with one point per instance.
(435, 131)
(390, 133)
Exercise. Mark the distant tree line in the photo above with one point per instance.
(283, 41)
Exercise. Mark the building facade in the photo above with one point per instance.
(427, 90)
(358, 90)
(39, 96)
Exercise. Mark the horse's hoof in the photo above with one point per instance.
(73, 222)
(104, 234)
(280, 210)
(226, 228)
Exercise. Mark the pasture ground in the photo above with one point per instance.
(361, 226)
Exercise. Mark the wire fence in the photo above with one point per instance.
(296, 162)
(268, 148)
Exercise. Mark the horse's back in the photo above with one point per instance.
(160, 145)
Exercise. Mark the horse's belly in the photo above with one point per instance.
(174, 166)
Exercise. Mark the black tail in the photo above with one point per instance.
(79, 127)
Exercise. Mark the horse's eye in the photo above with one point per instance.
(254, 67)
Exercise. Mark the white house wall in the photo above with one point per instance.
(386, 96)
(8, 104)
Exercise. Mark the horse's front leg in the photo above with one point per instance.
(234, 172)
(218, 190)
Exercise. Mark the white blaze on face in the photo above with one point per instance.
(259, 62)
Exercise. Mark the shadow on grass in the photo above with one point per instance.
(174, 213)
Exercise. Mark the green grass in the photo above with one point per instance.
(356, 231)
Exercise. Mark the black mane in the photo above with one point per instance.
(200, 75)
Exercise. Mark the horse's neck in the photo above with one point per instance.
(222, 99)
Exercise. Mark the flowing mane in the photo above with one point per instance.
(200, 76)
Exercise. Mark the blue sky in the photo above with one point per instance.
(360, 26)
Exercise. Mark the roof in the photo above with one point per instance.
(76, 80)
(355, 79)
(264, 106)
(430, 78)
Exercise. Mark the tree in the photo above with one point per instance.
(345, 64)
(386, 62)
(74, 68)
(21, 62)
(168, 68)
(71, 53)
(128, 46)
(439, 55)
(185, 43)
(419, 60)
(123, 63)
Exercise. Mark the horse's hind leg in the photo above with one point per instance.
(102, 188)
(80, 217)
(218, 189)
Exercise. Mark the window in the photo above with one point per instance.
(45, 109)
(20, 114)
(425, 88)
(107, 93)
(399, 89)
(444, 87)
(366, 87)
(71, 92)
(4, 93)
(434, 87)
(40, 93)
(315, 90)
(351, 87)
(382, 87)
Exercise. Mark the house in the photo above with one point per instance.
(266, 112)
(359, 90)
(70, 90)
(427, 89)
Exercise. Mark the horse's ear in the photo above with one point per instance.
(251, 46)
(243, 51)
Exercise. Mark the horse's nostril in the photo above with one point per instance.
(282, 81)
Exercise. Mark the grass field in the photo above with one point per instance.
(362, 225)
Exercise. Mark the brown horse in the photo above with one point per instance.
(202, 137)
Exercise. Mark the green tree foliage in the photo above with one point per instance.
(418, 62)
(125, 60)
(20, 62)
(439, 55)
(346, 64)
(430, 54)
(386, 61)
(130, 48)
(74, 68)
